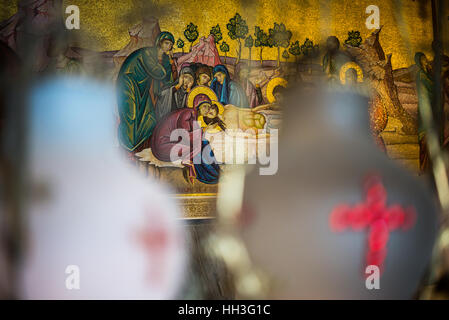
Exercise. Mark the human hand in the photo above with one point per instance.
(189, 85)
(181, 80)
(187, 82)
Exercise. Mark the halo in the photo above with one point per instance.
(200, 89)
(350, 65)
(201, 118)
(278, 81)
(201, 122)
(219, 105)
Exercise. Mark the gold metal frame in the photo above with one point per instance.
(197, 205)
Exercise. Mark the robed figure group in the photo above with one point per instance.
(155, 96)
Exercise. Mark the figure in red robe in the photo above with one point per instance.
(169, 143)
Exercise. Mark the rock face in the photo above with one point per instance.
(204, 52)
(377, 67)
(397, 92)
(408, 97)
(404, 148)
(141, 35)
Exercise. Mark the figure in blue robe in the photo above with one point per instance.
(141, 78)
(208, 173)
(227, 90)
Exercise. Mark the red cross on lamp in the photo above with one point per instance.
(374, 215)
(155, 238)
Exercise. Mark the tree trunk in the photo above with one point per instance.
(279, 56)
(260, 57)
(226, 54)
(191, 43)
(240, 51)
(249, 58)
(379, 74)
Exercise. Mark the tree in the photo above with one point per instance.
(180, 44)
(191, 33)
(354, 39)
(249, 43)
(285, 55)
(225, 48)
(262, 40)
(281, 38)
(237, 30)
(310, 50)
(295, 50)
(216, 32)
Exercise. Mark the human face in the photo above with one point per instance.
(426, 64)
(244, 73)
(212, 113)
(204, 79)
(166, 45)
(351, 77)
(204, 109)
(220, 76)
(187, 81)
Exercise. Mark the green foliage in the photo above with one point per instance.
(237, 27)
(191, 32)
(309, 49)
(262, 38)
(249, 42)
(224, 47)
(216, 32)
(295, 48)
(277, 36)
(280, 35)
(354, 39)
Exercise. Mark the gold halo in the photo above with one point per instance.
(219, 105)
(201, 122)
(278, 81)
(220, 111)
(198, 90)
(350, 65)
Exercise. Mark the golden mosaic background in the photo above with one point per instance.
(105, 23)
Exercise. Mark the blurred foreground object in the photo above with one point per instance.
(95, 228)
(31, 30)
(11, 142)
(325, 157)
